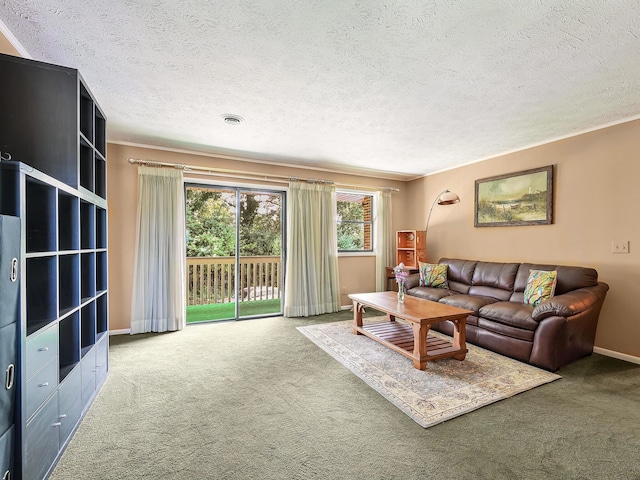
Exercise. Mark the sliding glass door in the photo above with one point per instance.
(234, 253)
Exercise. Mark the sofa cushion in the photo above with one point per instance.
(505, 345)
(468, 302)
(510, 313)
(506, 330)
(433, 275)
(569, 278)
(493, 274)
(494, 279)
(430, 293)
(460, 273)
(540, 286)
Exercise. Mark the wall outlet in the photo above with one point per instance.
(620, 246)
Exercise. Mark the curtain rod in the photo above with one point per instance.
(268, 177)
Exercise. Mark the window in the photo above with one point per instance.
(355, 221)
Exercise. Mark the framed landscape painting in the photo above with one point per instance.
(521, 198)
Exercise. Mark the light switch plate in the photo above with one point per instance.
(620, 246)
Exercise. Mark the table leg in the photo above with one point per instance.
(420, 345)
(357, 316)
(460, 338)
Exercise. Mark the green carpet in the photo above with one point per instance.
(257, 400)
(446, 389)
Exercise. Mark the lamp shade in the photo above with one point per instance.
(448, 198)
(445, 198)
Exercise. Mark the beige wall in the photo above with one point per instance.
(596, 200)
(357, 274)
(6, 47)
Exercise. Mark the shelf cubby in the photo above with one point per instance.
(69, 343)
(41, 292)
(100, 185)
(68, 226)
(100, 140)
(86, 166)
(87, 276)
(41, 216)
(69, 282)
(87, 226)
(101, 228)
(86, 114)
(410, 248)
(102, 325)
(101, 271)
(87, 327)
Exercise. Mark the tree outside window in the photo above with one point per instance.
(355, 221)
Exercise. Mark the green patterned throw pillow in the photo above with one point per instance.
(433, 275)
(541, 285)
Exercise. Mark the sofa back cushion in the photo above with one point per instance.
(492, 279)
(568, 279)
(460, 273)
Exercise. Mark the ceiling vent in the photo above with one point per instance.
(232, 119)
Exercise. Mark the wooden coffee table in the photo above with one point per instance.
(412, 340)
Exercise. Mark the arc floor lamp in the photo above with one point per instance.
(446, 197)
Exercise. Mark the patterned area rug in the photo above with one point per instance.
(446, 389)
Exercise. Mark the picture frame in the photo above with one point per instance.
(515, 199)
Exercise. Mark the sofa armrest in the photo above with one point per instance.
(412, 281)
(571, 303)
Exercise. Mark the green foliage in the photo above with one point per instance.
(350, 235)
(260, 220)
(211, 224)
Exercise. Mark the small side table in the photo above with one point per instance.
(391, 277)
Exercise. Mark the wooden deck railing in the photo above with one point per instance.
(211, 279)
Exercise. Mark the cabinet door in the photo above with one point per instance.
(88, 376)
(70, 399)
(40, 101)
(8, 374)
(9, 255)
(41, 441)
(7, 454)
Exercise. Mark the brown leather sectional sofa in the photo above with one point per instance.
(554, 333)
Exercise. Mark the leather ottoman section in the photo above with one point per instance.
(510, 313)
(430, 293)
(507, 346)
(468, 302)
(506, 330)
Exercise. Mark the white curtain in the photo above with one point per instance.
(311, 285)
(383, 239)
(158, 302)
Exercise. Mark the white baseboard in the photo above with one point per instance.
(124, 331)
(618, 355)
(346, 307)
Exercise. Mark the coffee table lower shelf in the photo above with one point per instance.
(400, 338)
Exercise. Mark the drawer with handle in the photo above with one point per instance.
(40, 386)
(41, 349)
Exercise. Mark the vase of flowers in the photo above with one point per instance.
(401, 276)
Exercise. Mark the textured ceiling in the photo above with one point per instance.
(398, 86)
